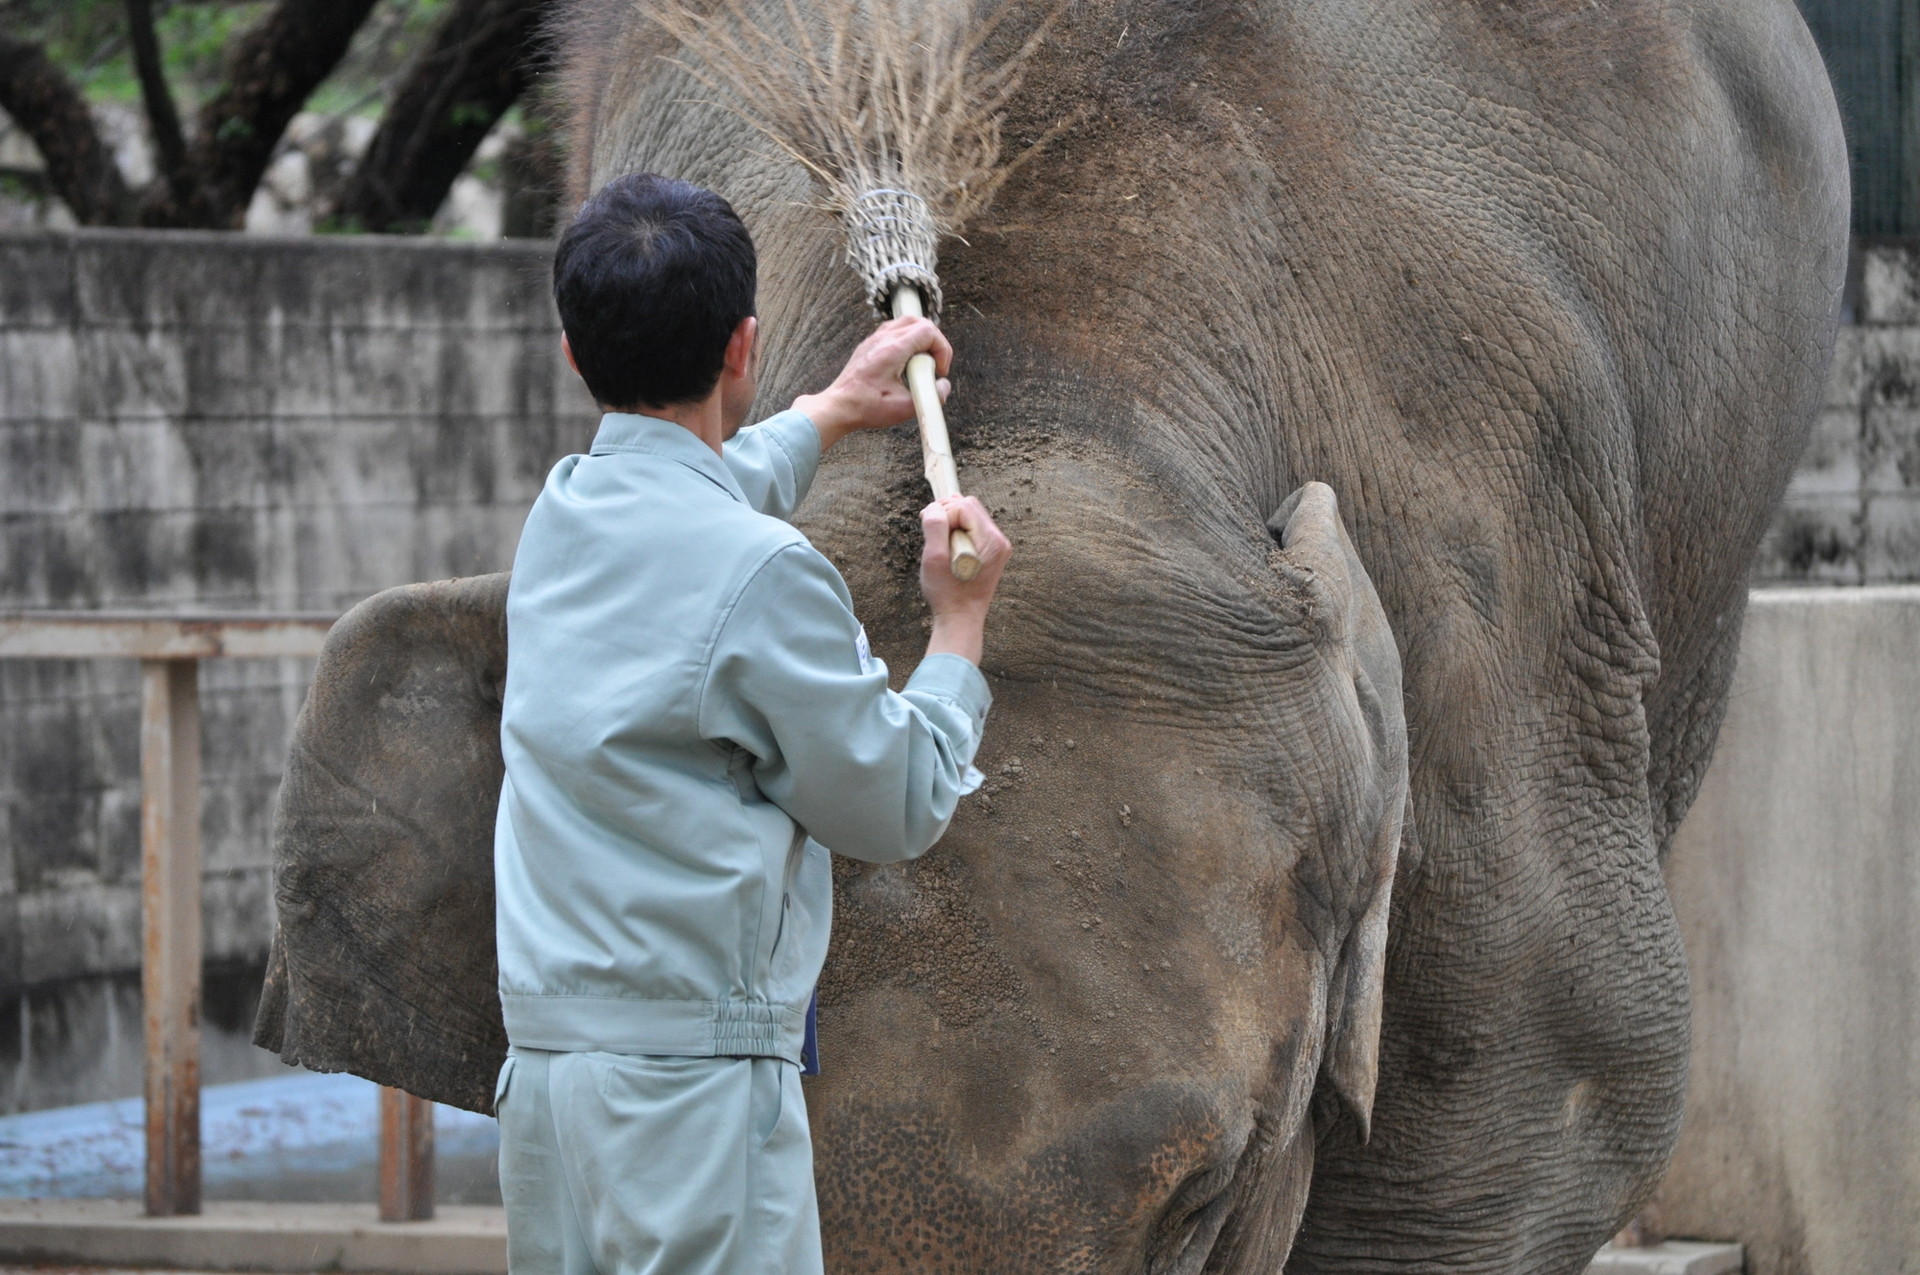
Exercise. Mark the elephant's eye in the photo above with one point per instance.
(1184, 1232)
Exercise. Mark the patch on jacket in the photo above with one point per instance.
(864, 651)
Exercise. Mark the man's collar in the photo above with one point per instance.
(651, 436)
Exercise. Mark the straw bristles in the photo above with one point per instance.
(872, 96)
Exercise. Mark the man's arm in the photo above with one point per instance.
(868, 773)
(775, 461)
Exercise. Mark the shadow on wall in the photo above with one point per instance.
(79, 1040)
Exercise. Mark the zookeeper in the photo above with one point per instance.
(692, 720)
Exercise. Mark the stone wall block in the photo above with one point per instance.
(236, 910)
(1891, 543)
(1890, 449)
(123, 281)
(39, 374)
(133, 465)
(570, 400)
(1890, 284)
(12, 941)
(36, 281)
(346, 555)
(1846, 375)
(233, 816)
(384, 371)
(130, 373)
(301, 371)
(1890, 366)
(1815, 539)
(74, 1042)
(346, 462)
(466, 541)
(229, 371)
(41, 461)
(72, 930)
(1831, 463)
(233, 463)
(483, 373)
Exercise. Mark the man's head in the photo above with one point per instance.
(654, 279)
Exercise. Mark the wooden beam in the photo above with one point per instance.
(170, 916)
(80, 635)
(406, 1157)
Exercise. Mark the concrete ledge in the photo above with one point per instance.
(1675, 1257)
(237, 1236)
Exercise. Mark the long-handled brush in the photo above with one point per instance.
(895, 108)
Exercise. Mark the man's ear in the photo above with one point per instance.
(566, 348)
(742, 346)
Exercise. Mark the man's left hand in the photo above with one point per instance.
(871, 392)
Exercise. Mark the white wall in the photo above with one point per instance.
(1797, 882)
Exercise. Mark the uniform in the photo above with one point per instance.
(691, 721)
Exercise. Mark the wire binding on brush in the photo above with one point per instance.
(891, 241)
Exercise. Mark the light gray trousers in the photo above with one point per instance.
(617, 1164)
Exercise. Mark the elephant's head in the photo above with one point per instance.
(1086, 1031)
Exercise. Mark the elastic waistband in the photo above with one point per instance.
(692, 1029)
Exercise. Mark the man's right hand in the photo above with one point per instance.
(871, 392)
(960, 606)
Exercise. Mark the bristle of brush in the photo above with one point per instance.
(888, 103)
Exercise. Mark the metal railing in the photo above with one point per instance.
(170, 648)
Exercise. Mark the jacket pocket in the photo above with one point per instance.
(500, 1085)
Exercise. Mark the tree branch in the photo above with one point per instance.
(482, 58)
(162, 118)
(48, 105)
(274, 68)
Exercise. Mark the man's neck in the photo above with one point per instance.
(704, 419)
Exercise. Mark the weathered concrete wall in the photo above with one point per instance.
(1852, 513)
(1797, 882)
(219, 422)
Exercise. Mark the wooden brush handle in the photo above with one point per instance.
(935, 449)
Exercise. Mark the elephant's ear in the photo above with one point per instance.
(383, 956)
(1356, 638)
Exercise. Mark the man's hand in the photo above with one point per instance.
(870, 392)
(960, 606)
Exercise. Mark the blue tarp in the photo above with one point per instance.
(299, 1126)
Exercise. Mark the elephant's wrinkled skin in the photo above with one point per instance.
(1543, 289)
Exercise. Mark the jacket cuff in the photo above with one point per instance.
(957, 681)
(799, 439)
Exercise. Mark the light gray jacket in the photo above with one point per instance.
(692, 719)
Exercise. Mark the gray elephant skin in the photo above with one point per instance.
(1313, 915)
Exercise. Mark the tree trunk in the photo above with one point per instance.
(274, 68)
(163, 121)
(45, 103)
(483, 56)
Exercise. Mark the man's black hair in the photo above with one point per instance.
(651, 279)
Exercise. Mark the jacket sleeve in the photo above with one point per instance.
(774, 462)
(867, 772)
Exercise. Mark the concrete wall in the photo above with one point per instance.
(236, 423)
(1797, 882)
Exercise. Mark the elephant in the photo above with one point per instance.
(1387, 401)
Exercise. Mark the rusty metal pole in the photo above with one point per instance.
(406, 1157)
(170, 916)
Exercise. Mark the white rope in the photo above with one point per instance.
(891, 241)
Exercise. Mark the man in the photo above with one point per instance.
(691, 715)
